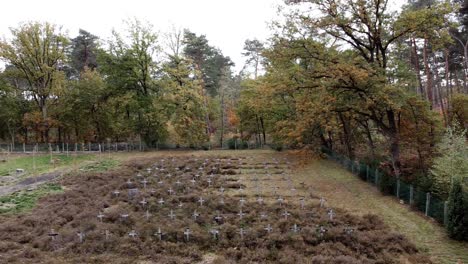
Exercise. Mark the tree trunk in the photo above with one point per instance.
(428, 72)
(394, 137)
(417, 67)
(347, 135)
(263, 129)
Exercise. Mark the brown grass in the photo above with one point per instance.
(24, 238)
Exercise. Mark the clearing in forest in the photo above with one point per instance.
(207, 207)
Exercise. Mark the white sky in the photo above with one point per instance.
(226, 23)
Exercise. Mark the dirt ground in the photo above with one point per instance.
(200, 207)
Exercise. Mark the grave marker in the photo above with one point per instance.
(133, 234)
(331, 214)
(81, 236)
(100, 216)
(159, 234)
(269, 229)
(187, 233)
(53, 234)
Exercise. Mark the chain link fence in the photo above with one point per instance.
(431, 205)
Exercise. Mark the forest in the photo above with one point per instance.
(352, 77)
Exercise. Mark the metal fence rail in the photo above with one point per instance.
(431, 205)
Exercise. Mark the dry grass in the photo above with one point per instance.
(24, 238)
(345, 190)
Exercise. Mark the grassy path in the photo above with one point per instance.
(345, 190)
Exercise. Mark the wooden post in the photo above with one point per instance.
(411, 195)
(445, 213)
(428, 202)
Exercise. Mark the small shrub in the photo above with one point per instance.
(457, 225)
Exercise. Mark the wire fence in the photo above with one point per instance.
(431, 205)
(82, 147)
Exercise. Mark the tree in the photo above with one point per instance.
(36, 52)
(252, 50)
(84, 51)
(371, 30)
(10, 111)
(183, 93)
(452, 164)
(131, 69)
(457, 225)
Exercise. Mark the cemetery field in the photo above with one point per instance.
(218, 207)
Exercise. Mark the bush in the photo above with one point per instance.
(457, 225)
(234, 143)
(386, 183)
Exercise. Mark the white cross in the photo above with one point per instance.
(260, 200)
(193, 181)
(280, 200)
(178, 182)
(286, 214)
(172, 215)
(209, 182)
(322, 202)
(116, 193)
(348, 230)
(143, 202)
(195, 214)
(160, 182)
(161, 201)
(241, 214)
(242, 232)
(170, 191)
(159, 234)
(129, 182)
(242, 201)
(221, 189)
(200, 200)
(180, 205)
(218, 218)
(322, 231)
(133, 234)
(302, 201)
(144, 183)
(331, 214)
(263, 216)
(81, 236)
(124, 217)
(295, 228)
(268, 228)
(100, 216)
(215, 233)
(187, 233)
(53, 234)
(107, 234)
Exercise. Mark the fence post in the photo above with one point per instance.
(411, 195)
(398, 189)
(24, 147)
(445, 213)
(428, 202)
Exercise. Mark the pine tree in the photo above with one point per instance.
(457, 225)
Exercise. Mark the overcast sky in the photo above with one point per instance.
(226, 23)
